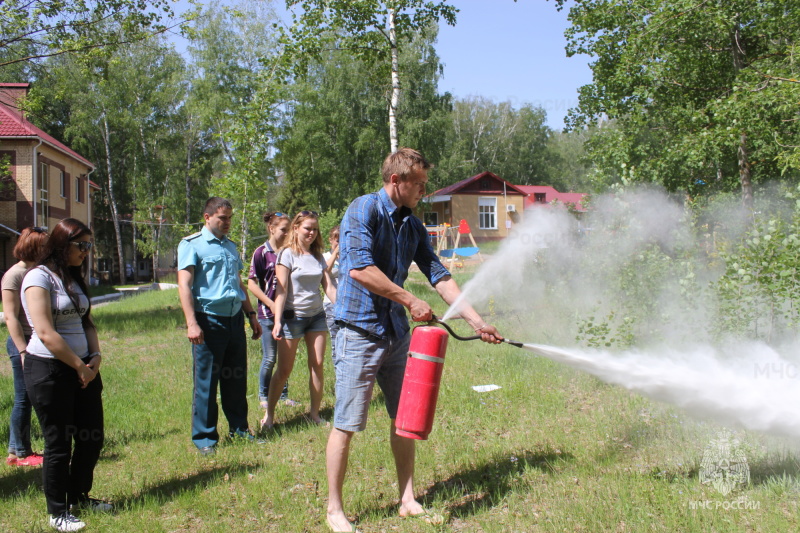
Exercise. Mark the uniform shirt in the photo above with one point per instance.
(217, 287)
(67, 320)
(262, 270)
(375, 231)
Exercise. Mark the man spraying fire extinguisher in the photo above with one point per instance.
(379, 239)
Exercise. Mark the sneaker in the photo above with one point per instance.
(66, 522)
(33, 459)
(92, 504)
(207, 450)
(11, 460)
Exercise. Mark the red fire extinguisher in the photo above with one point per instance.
(421, 382)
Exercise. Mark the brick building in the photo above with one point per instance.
(41, 179)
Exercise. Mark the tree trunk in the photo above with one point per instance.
(134, 262)
(188, 215)
(112, 198)
(744, 173)
(395, 84)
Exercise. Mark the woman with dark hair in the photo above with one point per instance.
(299, 313)
(62, 373)
(262, 283)
(29, 246)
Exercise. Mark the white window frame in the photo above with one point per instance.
(78, 189)
(62, 180)
(487, 212)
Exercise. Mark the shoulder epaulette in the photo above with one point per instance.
(192, 236)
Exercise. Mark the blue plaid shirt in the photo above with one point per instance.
(369, 236)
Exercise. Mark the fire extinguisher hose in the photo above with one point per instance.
(436, 320)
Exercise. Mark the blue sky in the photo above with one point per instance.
(508, 51)
(512, 51)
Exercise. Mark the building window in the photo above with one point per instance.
(62, 180)
(487, 213)
(432, 218)
(540, 197)
(78, 191)
(43, 200)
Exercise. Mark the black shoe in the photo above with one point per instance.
(246, 435)
(92, 504)
(207, 450)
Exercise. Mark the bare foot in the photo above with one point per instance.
(412, 508)
(318, 420)
(421, 513)
(339, 523)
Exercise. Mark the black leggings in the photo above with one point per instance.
(66, 412)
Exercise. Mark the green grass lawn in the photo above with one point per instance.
(552, 450)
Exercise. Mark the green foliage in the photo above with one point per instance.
(33, 30)
(605, 332)
(333, 139)
(723, 280)
(360, 28)
(497, 137)
(329, 220)
(702, 94)
(759, 292)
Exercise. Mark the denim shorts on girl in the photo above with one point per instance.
(296, 327)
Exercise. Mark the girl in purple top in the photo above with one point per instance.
(261, 282)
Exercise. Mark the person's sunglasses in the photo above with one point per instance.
(37, 229)
(83, 246)
(308, 213)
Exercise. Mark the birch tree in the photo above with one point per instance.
(373, 30)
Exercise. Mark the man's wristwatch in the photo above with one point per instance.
(251, 313)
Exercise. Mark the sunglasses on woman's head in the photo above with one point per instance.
(308, 213)
(83, 246)
(37, 229)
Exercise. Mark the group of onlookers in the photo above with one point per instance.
(54, 344)
(55, 357)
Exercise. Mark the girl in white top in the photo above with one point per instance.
(299, 313)
(62, 372)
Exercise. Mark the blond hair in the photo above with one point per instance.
(293, 239)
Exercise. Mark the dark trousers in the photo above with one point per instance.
(66, 413)
(220, 361)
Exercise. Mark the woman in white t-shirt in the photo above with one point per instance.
(62, 373)
(299, 313)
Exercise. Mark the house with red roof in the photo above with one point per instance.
(546, 195)
(44, 179)
(490, 205)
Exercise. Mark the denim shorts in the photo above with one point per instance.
(360, 361)
(295, 328)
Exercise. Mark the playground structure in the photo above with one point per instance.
(446, 234)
